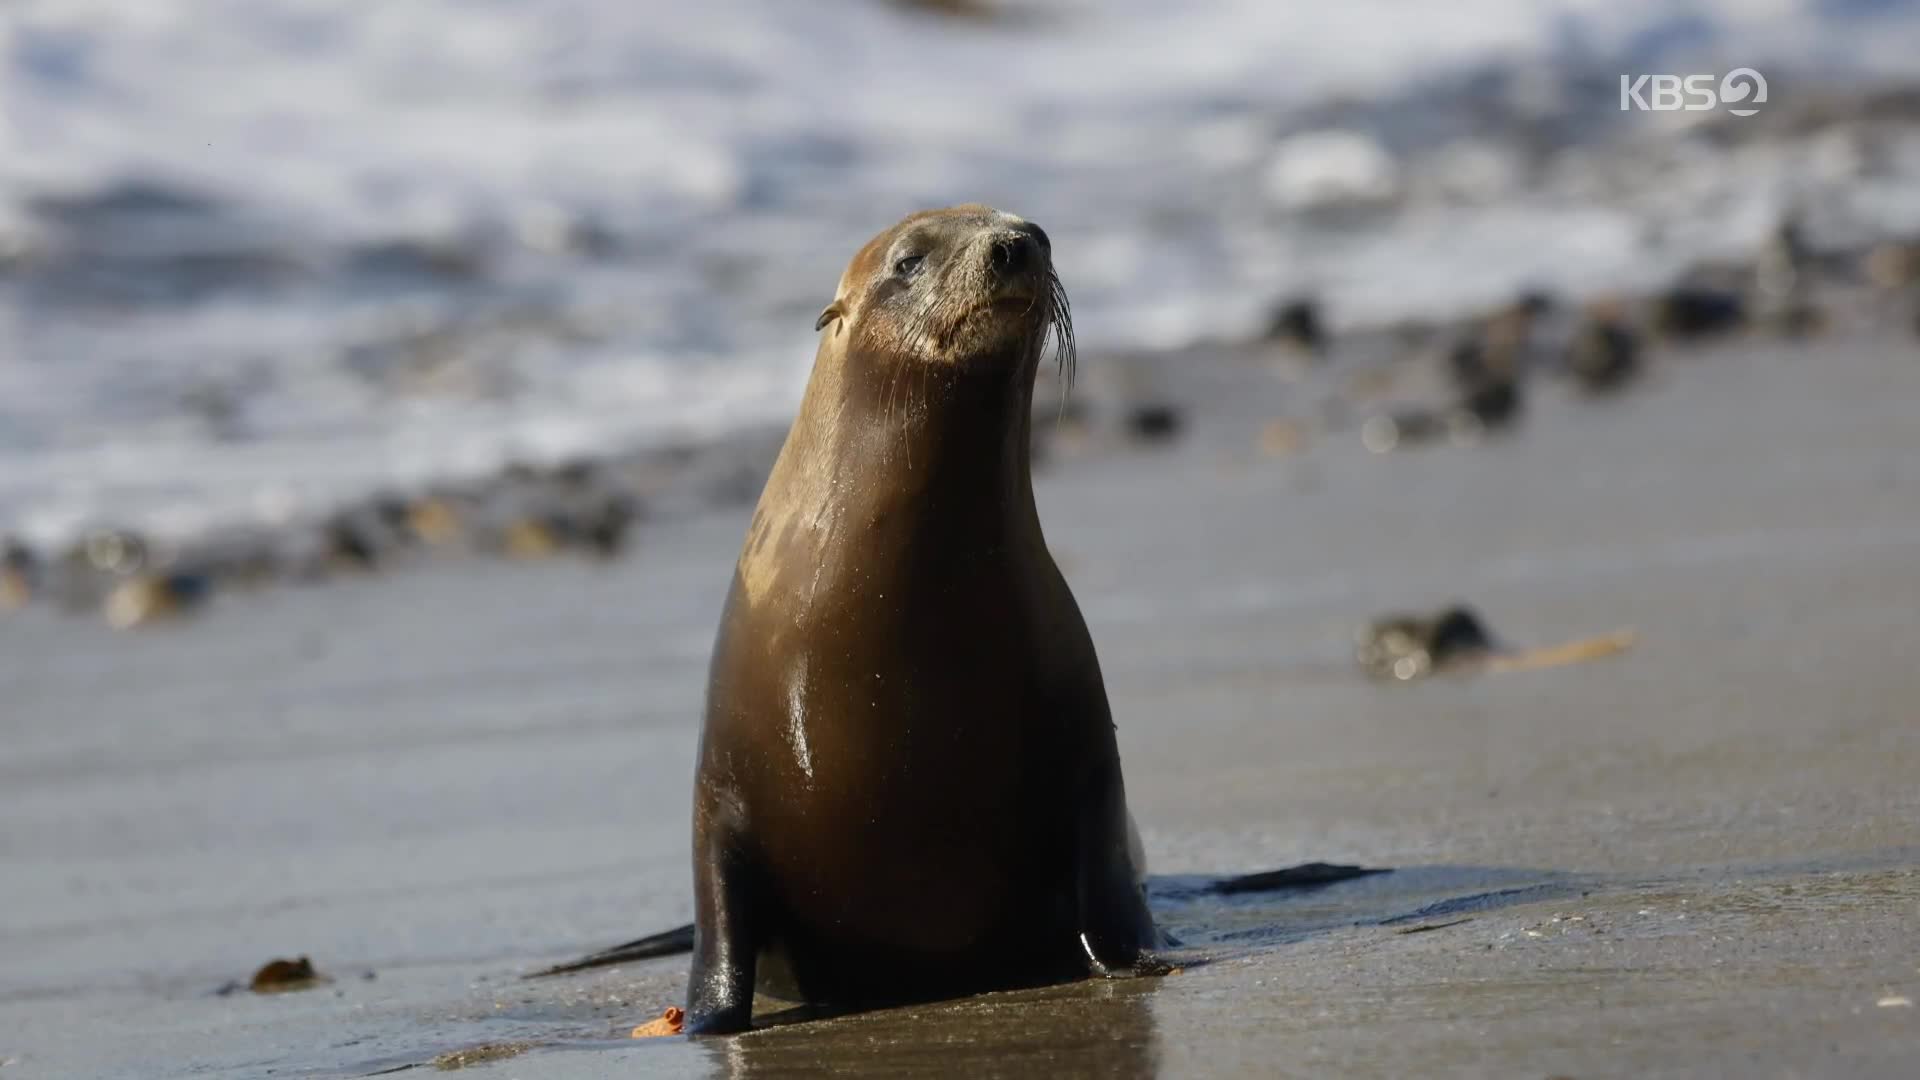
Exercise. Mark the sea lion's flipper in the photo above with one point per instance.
(726, 946)
(665, 943)
(1305, 876)
(1116, 929)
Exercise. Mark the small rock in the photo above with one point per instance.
(1603, 356)
(530, 538)
(19, 574)
(1153, 422)
(1401, 648)
(1494, 403)
(150, 598)
(1692, 311)
(1297, 323)
(604, 528)
(434, 520)
(346, 544)
(280, 976)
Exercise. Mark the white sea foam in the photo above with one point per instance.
(737, 150)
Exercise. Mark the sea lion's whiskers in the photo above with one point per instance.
(1060, 332)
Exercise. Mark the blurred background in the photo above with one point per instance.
(262, 257)
(1407, 338)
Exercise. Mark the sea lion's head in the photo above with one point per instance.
(965, 288)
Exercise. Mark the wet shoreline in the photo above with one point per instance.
(1710, 834)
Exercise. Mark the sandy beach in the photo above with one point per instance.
(1700, 857)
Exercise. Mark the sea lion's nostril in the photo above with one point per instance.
(1014, 253)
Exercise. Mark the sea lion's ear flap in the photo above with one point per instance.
(831, 313)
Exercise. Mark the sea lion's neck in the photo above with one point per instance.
(902, 458)
(953, 432)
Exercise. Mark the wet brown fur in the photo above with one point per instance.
(908, 784)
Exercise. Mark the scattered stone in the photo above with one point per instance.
(284, 976)
(149, 598)
(1467, 362)
(1604, 355)
(1401, 648)
(348, 545)
(434, 520)
(605, 527)
(1691, 312)
(529, 538)
(19, 574)
(1534, 303)
(1153, 422)
(1494, 403)
(1297, 323)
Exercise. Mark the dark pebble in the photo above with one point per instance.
(1603, 356)
(1153, 423)
(1690, 311)
(1297, 322)
(1495, 403)
(278, 975)
(1401, 648)
(348, 544)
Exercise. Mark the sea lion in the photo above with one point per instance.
(908, 784)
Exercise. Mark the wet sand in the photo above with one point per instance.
(1701, 857)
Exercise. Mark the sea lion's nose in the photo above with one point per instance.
(1019, 249)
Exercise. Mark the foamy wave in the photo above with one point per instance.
(253, 247)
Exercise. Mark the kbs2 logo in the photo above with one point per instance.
(1744, 87)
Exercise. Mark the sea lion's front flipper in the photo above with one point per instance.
(725, 945)
(1116, 929)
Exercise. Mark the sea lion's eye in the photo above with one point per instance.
(907, 266)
